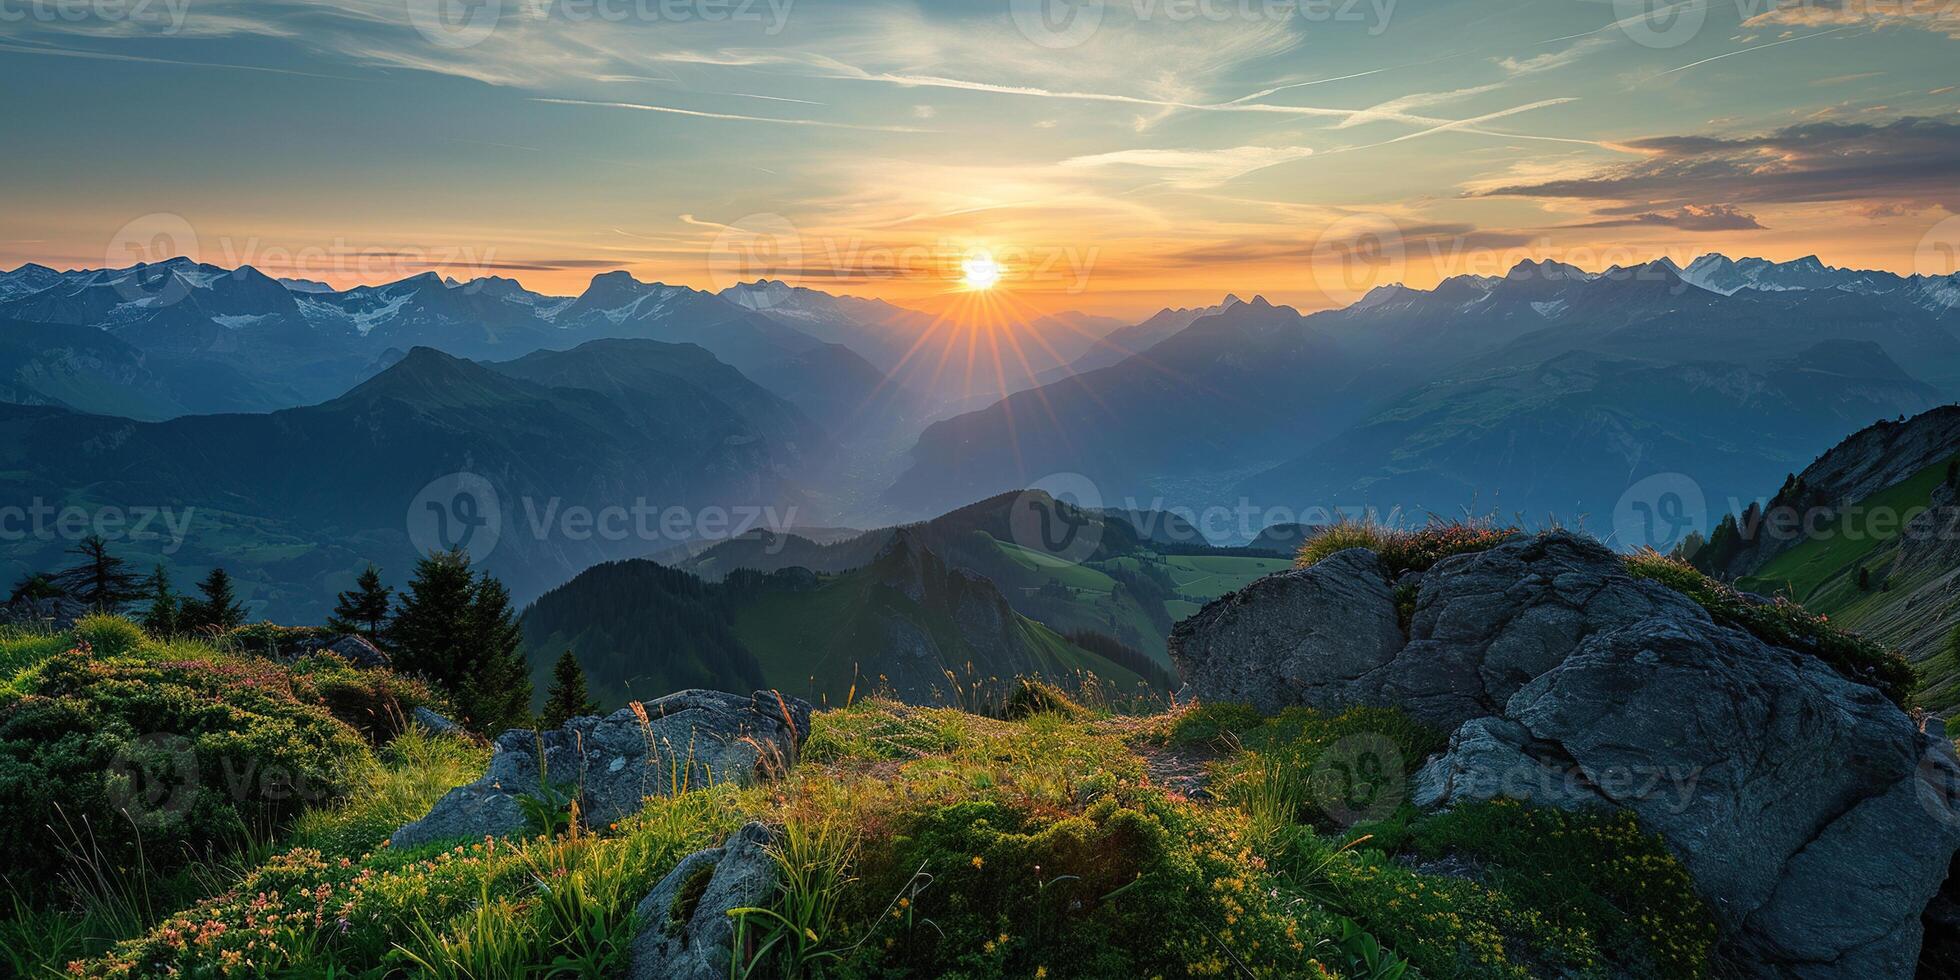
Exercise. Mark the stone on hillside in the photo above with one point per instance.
(1485, 624)
(358, 651)
(689, 740)
(1301, 637)
(436, 723)
(687, 934)
(1816, 818)
(53, 612)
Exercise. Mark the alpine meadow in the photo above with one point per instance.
(980, 489)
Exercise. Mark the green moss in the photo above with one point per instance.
(688, 896)
(1591, 875)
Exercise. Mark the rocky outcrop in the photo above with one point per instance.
(1484, 624)
(1817, 817)
(687, 933)
(1303, 637)
(1810, 809)
(685, 740)
(51, 613)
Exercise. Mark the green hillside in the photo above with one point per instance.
(1821, 573)
(901, 625)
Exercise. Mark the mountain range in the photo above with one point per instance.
(1547, 390)
(294, 502)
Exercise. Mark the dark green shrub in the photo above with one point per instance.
(375, 702)
(158, 760)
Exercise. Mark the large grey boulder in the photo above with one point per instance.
(1815, 816)
(686, 932)
(688, 740)
(1300, 637)
(1485, 624)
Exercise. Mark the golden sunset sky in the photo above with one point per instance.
(1112, 157)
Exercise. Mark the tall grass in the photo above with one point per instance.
(1406, 549)
(793, 935)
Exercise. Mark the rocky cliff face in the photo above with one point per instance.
(1818, 819)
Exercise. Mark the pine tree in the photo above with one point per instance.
(164, 612)
(36, 585)
(364, 610)
(102, 581)
(501, 687)
(457, 631)
(567, 698)
(217, 612)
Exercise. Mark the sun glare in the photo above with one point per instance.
(981, 271)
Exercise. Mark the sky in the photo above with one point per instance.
(1114, 157)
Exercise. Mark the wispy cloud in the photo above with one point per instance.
(1196, 168)
(730, 116)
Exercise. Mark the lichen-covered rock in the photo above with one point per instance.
(687, 933)
(1300, 637)
(1815, 816)
(686, 740)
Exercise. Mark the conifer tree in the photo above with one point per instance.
(456, 629)
(102, 581)
(218, 611)
(567, 698)
(364, 609)
(160, 620)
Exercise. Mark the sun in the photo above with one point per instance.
(980, 271)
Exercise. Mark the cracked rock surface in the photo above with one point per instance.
(1818, 821)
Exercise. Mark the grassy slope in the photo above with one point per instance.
(1198, 579)
(1821, 573)
(1033, 848)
